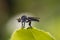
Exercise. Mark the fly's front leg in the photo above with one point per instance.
(22, 24)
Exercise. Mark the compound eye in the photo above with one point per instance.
(18, 21)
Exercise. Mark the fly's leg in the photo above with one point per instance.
(23, 25)
(29, 25)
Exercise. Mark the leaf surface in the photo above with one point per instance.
(30, 34)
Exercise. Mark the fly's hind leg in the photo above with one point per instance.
(29, 25)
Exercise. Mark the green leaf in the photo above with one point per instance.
(30, 34)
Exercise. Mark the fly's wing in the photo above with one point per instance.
(34, 19)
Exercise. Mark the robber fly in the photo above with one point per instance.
(24, 19)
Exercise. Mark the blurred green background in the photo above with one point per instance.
(47, 10)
